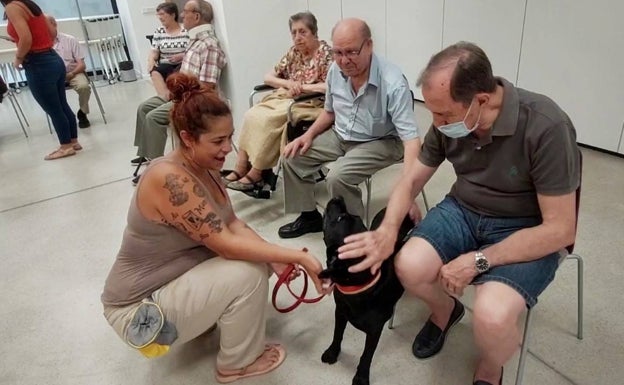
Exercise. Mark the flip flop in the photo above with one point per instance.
(227, 378)
(60, 153)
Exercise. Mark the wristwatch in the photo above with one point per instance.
(481, 263)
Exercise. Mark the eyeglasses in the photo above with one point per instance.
(349, 54)
(189, 11)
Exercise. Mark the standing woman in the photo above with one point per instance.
(45, 71)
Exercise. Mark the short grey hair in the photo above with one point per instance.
(204, 9)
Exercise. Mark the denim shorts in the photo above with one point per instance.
(453, 230)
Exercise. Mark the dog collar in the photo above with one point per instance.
(350, 290)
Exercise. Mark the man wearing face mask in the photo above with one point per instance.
(511, 209)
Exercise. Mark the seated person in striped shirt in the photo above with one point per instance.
(203, 58)
(168, 45)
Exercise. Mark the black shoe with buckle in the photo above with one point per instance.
(430, 339)
(83, 122)
(309, 222)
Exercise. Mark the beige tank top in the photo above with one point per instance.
(153, 254)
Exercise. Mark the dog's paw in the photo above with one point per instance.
(360, 380)
(330, 356)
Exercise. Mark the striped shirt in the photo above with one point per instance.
(204, 57)
(168, 45)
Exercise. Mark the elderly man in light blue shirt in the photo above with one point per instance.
(369, 106)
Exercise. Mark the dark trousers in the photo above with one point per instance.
(45, 73)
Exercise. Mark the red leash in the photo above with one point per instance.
(284, 278)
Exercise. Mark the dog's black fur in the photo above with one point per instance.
(368, 310)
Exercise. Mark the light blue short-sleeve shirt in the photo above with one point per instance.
(381, 108)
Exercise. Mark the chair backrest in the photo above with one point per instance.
(3, 88)
(570, 248)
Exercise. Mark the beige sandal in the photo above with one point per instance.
(60, 153)
(231, 377)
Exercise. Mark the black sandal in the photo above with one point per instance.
(242, 186)
(225, 173)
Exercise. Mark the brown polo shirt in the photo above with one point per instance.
(530, 149)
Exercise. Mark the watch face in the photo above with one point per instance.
(482, 265)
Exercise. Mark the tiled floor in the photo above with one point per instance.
(60, 228)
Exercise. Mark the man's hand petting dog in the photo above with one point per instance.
(457, 274)
(375, 246)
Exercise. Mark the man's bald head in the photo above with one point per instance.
(352, 26)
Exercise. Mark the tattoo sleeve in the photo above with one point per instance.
(175, 183)
(196, 222)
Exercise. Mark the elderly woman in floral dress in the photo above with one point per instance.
(303, 69)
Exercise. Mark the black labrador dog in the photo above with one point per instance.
(364, 300)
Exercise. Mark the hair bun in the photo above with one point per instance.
(182, 86)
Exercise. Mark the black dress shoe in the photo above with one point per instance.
(305, 223)
(83, 122)
(430, 339)
(140, 159)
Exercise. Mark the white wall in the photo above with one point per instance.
(570, 51)
(136, 25)
(413, 35)
(494, 25)
(254, 35)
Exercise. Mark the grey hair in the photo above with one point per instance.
(205, 11)
(170, 8)
(307, 18)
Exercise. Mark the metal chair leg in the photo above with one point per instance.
(368, 184)
(97, 98)
(49, 123)
(580, 270)
(523, 349)
(425, 199)
(19, 107)
(13, 101)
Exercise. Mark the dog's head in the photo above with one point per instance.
(337, 225)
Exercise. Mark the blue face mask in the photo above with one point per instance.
(459, 129)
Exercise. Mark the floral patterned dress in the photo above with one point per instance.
(264, 125)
